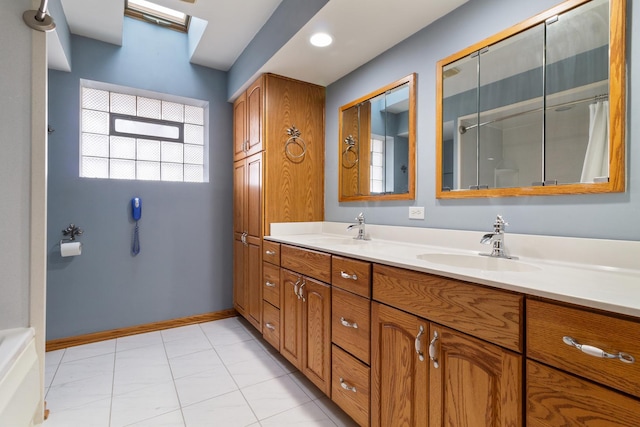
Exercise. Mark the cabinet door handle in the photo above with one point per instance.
(270, 326)
(243, 239)
(270, 253)
(346, 386)
(596, 352)
(268, 284)
(419, 344)
(432, 350)
(245, 146)
(348, 276)
(302, 293)
(346, 323)
(296, 287)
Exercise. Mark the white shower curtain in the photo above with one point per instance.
(596, 159)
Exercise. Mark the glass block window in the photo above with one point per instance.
(126, 136)
(376, 171)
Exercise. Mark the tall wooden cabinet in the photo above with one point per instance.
(275, 180)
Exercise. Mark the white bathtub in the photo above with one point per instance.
(19, 377)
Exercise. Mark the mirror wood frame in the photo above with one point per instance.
(617, 115)
(411, 79)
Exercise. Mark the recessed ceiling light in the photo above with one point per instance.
(321, 39)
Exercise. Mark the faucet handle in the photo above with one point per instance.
(360, 218)
(500, 223)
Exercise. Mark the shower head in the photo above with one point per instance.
(38, 19)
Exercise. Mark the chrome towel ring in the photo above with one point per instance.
(294, 138)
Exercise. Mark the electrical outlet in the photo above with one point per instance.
(416, 212)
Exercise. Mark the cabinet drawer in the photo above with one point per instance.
(305, 261)
(271, 324)
(548, 324)
(271, 252)
(351, 275)
(558, 399)
(271, 284)
(351, 323)
(489, 314)
(350, 387)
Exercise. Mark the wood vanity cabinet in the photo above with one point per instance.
(565, 386)
(305, 313)
(271, 293)
(424, 373)
(270, 185)
(351, 337)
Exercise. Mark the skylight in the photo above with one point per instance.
(154, 13)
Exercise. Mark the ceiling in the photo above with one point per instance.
(362, 29)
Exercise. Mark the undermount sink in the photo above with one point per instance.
(478, 262)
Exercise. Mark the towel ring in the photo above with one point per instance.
(351, 144)
(294, 138)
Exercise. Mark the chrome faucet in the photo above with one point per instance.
(360, 224)
(496, 239)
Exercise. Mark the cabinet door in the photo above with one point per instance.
(254, 117)
(398, 375)
(290, 317)
(240, 302)
(240, 293)
(239, 199)
(316, 333)
(474, 383)
(253, 214)
(240, 127)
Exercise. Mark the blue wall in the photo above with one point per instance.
(613, 216)
(184, 267)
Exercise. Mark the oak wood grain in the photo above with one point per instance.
(271, 324)
(271, 284)
(360, 284)
(399, 380)
(490, 314)
(271, 252)
(355, 374)
(548, 323)
(316, 333)
(353, 309)
(476, 384)
(559, 399)
(306, 261)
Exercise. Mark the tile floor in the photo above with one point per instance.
(212, 374)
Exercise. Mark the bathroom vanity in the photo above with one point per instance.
(415, 328)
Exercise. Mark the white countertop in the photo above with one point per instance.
(597, 273)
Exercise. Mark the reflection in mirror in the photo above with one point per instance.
(377, 144)
(527, 111)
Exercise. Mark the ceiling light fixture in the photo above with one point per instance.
(321, 39)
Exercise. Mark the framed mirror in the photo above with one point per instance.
(377, 144)
(538, 109)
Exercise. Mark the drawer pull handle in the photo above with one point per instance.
(270, 253)
(347, 324)
(300, 291)
(270, 326)
(269, 284)
(432, 350)
(348, 276)
(346, 386)
(418, 344)
(596, 352)
(295, 287)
